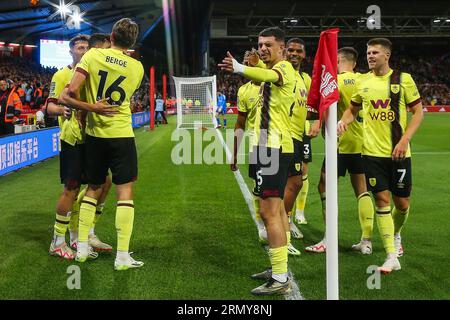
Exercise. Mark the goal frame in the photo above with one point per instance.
(210, 119)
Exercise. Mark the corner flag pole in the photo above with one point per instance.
(331, 203)
(323, 96)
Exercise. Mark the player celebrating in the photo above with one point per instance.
(255, 61)
(295, 53)
(113, 75)
(273, 149)
(385, 96)
(71, 160)
(349, 154)
(100, 41)
(247, 102)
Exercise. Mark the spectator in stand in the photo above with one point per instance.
(10, 106)
(20, 92)
(29, 92)
(159, 110)
(37, 97)
(40, 118)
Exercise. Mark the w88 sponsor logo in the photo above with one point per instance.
(382, 111)
(382, 115)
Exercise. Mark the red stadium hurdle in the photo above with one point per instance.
(164, 87)
(152, 98)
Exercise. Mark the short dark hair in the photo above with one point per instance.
(296, 40)
(382, 42)
(124, 33)
(349, 53)
(273, 32)
(98, 38)
(80, 37)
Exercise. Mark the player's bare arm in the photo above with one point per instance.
(100, 107)
(70, 97)
(348, 117)
(54, 110)
(314, 130)
(401, 148)
(239, 129)
(229, 64)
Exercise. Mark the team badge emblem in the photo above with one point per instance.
(298, 166)
(373, 181)
(395, 88)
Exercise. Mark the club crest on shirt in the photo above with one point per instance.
(373, 181)
(298, 166)
(395, 88)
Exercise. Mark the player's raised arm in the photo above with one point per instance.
(229, 64)
(252, 59)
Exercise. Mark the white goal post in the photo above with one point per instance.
(196, 102)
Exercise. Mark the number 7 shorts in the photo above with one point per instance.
(386, 174)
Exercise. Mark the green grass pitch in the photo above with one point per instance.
(195, 234)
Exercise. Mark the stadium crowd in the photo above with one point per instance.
(35, 82)
(139, 101)
(31, 77)
(31, 82)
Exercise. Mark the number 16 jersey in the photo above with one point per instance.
(110, 74)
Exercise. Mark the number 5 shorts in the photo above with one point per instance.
(270, 171)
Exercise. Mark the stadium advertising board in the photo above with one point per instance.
(140, 118)
(21, 150)
(436, 108)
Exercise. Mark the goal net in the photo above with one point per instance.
(196, 102)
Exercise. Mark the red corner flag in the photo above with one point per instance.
(324, 87)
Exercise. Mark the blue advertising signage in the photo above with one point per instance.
(21, 150)
(140, 118)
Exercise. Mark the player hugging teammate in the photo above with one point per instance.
(109, 75)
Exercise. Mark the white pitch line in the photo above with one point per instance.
(295, 293)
